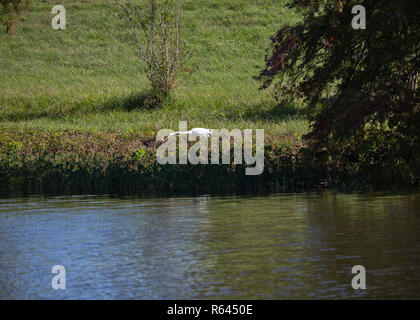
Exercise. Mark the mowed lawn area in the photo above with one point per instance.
(85, 78)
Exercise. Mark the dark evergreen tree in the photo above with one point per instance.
(361, 86)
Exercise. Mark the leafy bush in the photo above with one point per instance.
(154, 28)
(10, 11)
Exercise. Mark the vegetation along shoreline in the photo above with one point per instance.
(71, 162)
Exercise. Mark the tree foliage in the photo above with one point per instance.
(10, 11)
(361, 86)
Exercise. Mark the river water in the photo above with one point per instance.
(286, 246)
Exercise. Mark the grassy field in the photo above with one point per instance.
(82, 78)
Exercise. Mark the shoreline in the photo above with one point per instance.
(76, 163)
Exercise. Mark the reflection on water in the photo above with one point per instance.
(273, 247)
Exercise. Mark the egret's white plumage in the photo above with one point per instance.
(196, 132)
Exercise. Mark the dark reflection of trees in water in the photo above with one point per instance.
(305, 246)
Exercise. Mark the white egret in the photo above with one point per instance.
(196, 132)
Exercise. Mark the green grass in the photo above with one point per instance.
(81, 78)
